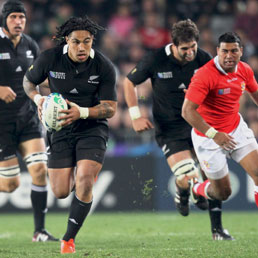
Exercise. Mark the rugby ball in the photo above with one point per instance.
(51, 108)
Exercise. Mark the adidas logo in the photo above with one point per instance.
(182, 86)
(74, 91)
(18, 69)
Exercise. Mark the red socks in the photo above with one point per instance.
(201, 189)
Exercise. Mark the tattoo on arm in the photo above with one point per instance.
(28, 86)
(104, 110)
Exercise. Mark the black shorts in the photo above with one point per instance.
(67, 151)
(25, 128)
(171, 146)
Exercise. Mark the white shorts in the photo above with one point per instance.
(212, 157)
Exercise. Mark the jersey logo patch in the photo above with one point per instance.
(243, 87)
(165, 75)
(93, 78)
(29, 54)
(224, 91)
(18, 69)
(57, 75)
(74, 91)
(5, 56)
(182, 86)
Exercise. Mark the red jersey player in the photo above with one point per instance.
(211, 106)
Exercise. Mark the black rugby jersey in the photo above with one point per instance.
(169, 78)
(14, 62)
(82, 83)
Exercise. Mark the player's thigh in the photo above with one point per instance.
(250, 164)
(32, 146)
(61, 181)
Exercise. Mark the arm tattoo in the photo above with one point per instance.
(28, 86)
(104, 110)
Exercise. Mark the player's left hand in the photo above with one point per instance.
(69, 115)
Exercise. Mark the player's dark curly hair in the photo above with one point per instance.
(184, 31)
(230, 37)
(76, 23)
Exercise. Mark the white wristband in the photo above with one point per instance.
(36, 98)
(84, 112)
(134, 112)
(211, 132)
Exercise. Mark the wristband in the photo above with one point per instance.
(36, 98)
(84, 112)
(211, 132)
(134, 112)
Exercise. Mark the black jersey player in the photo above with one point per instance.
(170, 70)
(86, 78)
(19, 125)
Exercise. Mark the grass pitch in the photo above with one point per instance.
(134, 235)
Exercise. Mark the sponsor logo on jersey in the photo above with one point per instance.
(57, 75)
(165, 75)
(29, 54)
(31, 67)
(74, 91)
(5, 56)
(18, 69)
(243, 87)
(182, 86)
(224, 91)
(93, 78)
(231, 80)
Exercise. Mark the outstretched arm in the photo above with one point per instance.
(139, 123)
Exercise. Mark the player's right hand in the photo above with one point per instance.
(142, 124)
(7, 94)
(225, 141)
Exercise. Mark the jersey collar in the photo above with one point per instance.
(218, 66)
(65, 50)
(168, 49)
(2, 34)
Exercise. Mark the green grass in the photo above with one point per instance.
(134, 235)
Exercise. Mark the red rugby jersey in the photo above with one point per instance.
(217, 93)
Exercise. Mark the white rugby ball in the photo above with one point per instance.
(51, 108)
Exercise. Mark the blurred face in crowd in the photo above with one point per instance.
(79, 45)
(15, 23)
(185, 52)
(229, 55)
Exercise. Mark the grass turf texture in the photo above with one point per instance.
(133, 235)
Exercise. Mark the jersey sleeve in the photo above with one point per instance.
(251, 85)
(142, 71)
(37, 72)
(107, 90)
(199, 87)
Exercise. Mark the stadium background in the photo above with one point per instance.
(135, 175)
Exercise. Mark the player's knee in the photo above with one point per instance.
(11, 185)
(185, 167)
(224, 194)
(38, 173)
(85, 183)
(60, 193)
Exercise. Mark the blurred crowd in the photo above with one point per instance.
(134, 27)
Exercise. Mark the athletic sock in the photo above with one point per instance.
(39, 204)
(215, 215)
(78, 212)
(256, 194)
(201, 189)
